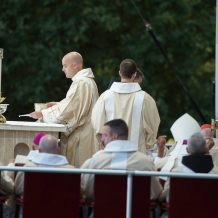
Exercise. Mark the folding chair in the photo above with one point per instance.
(51, 195)
(110, 193)
(191, 197)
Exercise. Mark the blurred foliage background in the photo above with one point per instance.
(36, 35)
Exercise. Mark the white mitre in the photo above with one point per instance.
(184, 127)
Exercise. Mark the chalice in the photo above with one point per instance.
(3, 108)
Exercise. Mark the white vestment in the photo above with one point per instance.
(41, 160)
(119, 155)
(137, 108)
(77, 143)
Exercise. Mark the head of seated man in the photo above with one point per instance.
(206, 130)
(49, 144)
(115, 130)
(197, 144)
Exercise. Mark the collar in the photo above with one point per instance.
(49, 159)
(120, 146)
(199, 163)
(98, 152)
(32, 154)
(83, 73)
(125, 87)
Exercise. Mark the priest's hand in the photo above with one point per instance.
(36, 114)
(50, 104)
(161, 142)
(209, 143)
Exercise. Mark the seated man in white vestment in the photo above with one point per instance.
(198, 161)
(125, 100)
(74, 111)
(119, 154)
(48, 156)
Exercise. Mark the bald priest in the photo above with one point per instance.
(74, 111)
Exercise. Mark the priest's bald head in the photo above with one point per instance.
(49, 144)
(115, 130)
(72, 64)
(128, 70)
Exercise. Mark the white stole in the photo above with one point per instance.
(170, 163)
(136, 112)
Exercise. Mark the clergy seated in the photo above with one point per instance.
(118, 154)
(198, 161)
(211, 143)
(48, 156)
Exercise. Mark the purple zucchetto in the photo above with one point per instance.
(37, 138)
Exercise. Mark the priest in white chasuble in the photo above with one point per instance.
(74, 111)
(125, 100)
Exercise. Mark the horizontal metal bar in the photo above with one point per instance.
(108, 172)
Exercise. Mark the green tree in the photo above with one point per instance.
(36, 34)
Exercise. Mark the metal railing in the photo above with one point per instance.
(129, 175)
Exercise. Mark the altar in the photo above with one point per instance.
(16, 137)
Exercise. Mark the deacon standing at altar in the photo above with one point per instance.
(74, 111)
(125, 100)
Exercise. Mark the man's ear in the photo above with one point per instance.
(115, 136)
(75, 65)
(187, 150)
(133, 76)
(58, 150)
(120, 74)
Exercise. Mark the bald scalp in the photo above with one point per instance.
(74, 57)
(48, 144)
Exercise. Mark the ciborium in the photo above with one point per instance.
(40, 106)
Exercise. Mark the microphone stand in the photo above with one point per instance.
(149, 29)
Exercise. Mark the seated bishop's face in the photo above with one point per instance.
(207, 132)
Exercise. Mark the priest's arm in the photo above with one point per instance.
(71, 111)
